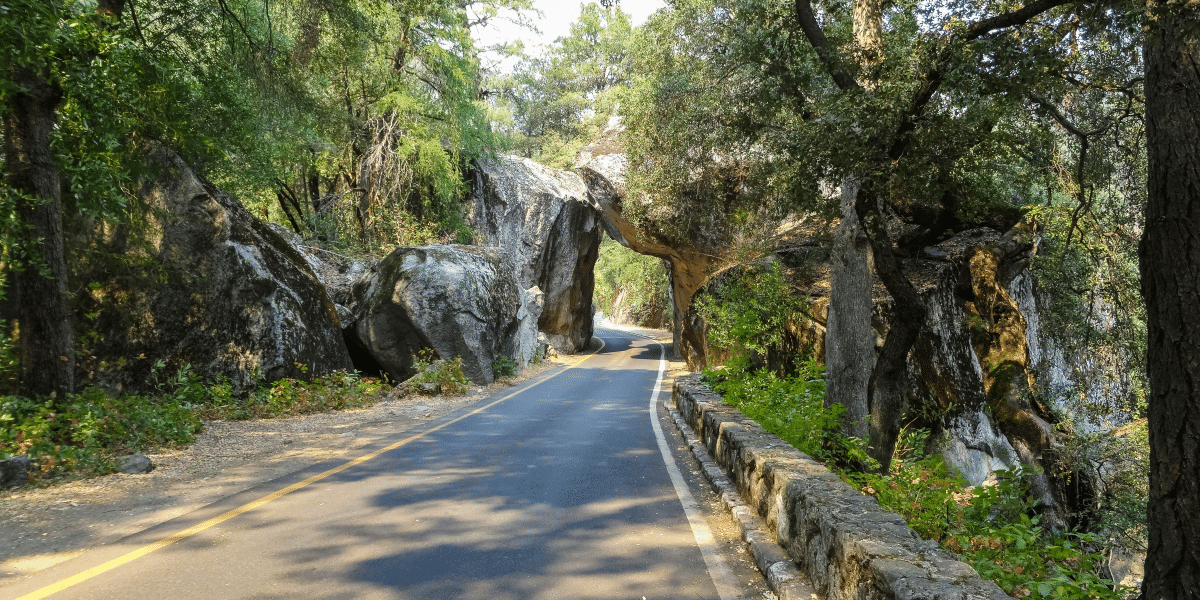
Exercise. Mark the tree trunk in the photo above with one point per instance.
(47, 344)
(1170, 270)
(890, 374)
(849, 343)
(868, 33)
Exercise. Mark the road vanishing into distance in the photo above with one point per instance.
(564, 487)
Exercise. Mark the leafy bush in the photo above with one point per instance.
(446, 374)
(90, 428)
(503, 366)
(86, 432)
(791, 407)
(750, 311)
(339, 390)
(989, 526)
(9, 357)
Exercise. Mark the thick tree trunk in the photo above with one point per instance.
(889, 377)
(47, 345)
(868, 32)
(849, 343)
(1170, 270)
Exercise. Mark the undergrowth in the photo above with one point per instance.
(438, 375)
(85, 433)
(993, 528)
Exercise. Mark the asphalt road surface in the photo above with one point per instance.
(560, 488)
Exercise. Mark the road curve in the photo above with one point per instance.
(555, 491)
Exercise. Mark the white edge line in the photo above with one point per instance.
(720, 573)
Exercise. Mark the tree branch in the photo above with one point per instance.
(1017, 17)
(816, 38)
(232, 15)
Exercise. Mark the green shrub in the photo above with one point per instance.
(791, 407)
(339, 390)
(750, 310)
(446, 374)
(503, 366)
(9, 357)
(86, 432)
(992, 527)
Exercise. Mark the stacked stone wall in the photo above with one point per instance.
(848, 545)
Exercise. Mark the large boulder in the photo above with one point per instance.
(199, 282)
(543, 219)
(461, 301)
(603, 165)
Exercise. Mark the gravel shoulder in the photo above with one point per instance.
(41, 527)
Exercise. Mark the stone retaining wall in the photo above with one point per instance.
(848, 546)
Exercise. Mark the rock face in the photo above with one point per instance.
(542, 218)
(338, 273)
(972, 369)
(202, 283)
(14, 472)
(461, 301)
(603, 165)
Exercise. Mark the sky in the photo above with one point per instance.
(556, 22)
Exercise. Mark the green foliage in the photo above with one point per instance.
(446, 375)
(503, 366)
(791, 407)
(989, 526)
(85, 434)
(1116, 462)
(632, 283)
(922, 489)
(561, 100)
(9, 360)
(1094, 310)
(750, 309)
(339, 390)
(353, 120)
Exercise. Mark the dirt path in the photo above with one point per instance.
(43, 527)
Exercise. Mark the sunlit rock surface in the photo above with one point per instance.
(542, 219)
(603, 166)
(461, 301)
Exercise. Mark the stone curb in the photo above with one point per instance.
(781, 573)
(846, 545)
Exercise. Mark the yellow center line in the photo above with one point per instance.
(245, 508)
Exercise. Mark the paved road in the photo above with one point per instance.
(559, 491)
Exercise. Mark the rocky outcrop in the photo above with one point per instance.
(542, 218)
(337, 272)
(603, 166)
(461, 301)
(200, 282)
(971, 370)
